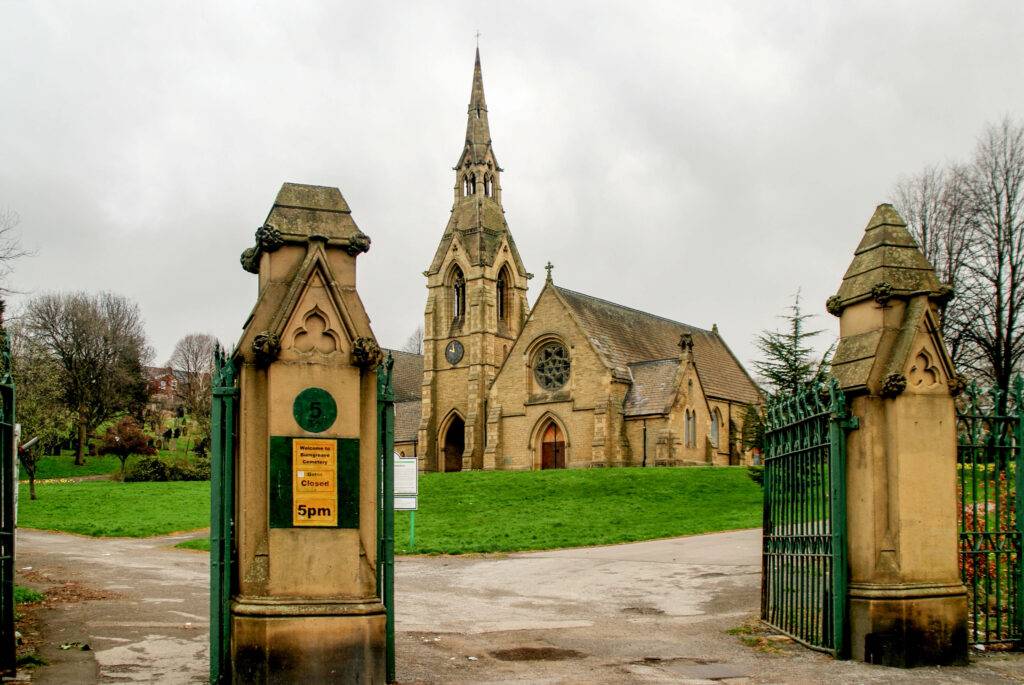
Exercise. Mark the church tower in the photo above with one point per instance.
(476, 304)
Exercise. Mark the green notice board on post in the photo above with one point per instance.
(314, 482)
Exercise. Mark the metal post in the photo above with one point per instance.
(412, 529)
(839, 424)
(8, 657)
(1018, 498)
(386, 505)
(222, 507)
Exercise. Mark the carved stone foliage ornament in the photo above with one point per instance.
(268, 238)
(893, 385)
(882, 292)
(834, 305)
(358, 243)
(366, 354)
(266, 347)
(251, 260)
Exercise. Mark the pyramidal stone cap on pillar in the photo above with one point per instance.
(302, 212)
(887, 263)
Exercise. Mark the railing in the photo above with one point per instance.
(804, 559)
(990, 433)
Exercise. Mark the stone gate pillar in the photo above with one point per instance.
(307, 607)
(908, 606)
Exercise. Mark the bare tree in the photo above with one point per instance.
(994, 292)
(10, 243)
(938, 207)
(99, 343)
(192, 364)
(414, 343)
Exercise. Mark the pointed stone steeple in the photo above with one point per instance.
(477, 224)
(478, 131)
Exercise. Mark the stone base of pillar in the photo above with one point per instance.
(908, 625)
(296, 641)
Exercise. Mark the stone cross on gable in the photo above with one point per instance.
(548, 267)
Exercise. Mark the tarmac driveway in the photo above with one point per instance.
(654, 611)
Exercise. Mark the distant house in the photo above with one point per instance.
(163, 385)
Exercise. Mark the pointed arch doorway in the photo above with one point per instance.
(454, 444)
(552, 447)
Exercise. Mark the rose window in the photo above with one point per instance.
(551, 366)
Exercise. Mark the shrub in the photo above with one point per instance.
(183, 470)
(756, 474)
(146, 469)
(153, 469)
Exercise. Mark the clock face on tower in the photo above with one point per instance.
(453, 352)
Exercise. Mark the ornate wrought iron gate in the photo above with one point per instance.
(804, 561)
(222, 514)
(386, 504)
(8, 483)
(990, 435)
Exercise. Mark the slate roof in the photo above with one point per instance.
(626, 336)
(654, 387)
(407, 420)
(407, 375)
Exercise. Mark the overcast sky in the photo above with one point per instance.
(700, 161)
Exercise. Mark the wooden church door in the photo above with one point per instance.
(552, 454)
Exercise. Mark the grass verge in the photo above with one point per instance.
(202, 544)
(500, 511)
(113, 509)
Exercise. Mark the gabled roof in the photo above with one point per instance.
(407, 420)
(407, 375)
(625, 336)
(654, 387)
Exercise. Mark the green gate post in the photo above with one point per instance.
(386, 515)
(8, 481)
(840, 423)
(222, 479)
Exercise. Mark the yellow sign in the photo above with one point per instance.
(314, 482)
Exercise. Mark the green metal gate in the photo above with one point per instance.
(222, 514)
(804, 559)
(386, 503)
(8, 483)
(990, 434)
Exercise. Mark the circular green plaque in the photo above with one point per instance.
(315, 410)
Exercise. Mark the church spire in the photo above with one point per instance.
(478, 131)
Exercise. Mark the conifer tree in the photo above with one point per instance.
(789, 362)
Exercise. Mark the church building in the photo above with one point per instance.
(576, 381)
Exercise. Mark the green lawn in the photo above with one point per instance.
(459, 512)
(501, 511)
(110, 508)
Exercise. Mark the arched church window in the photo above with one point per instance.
(458, 294)
(488, 185)
(716, 419)
(503, 295)
(551, 366)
